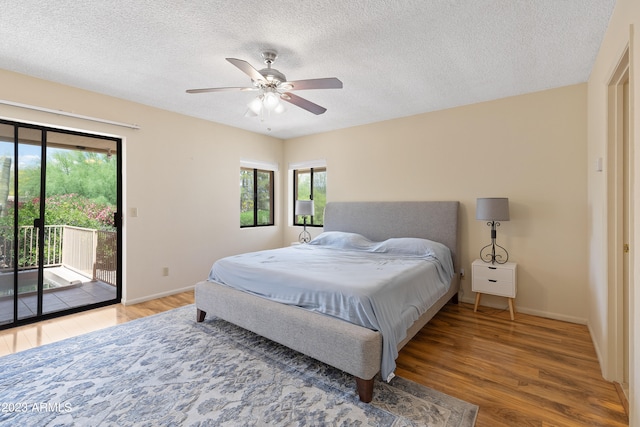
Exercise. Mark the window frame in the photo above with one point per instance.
(256, 206)
(311, 186)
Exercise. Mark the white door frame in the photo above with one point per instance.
(620, 264)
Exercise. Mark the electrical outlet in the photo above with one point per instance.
(165, 271)
(462, 273)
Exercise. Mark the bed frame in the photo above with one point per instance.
(351, 348)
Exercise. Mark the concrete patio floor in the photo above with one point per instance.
(79, 291)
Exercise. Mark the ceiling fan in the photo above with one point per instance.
(273, 87)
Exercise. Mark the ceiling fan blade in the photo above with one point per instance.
(246, 68)
(221, 89)
(303, 103)
(326, 83)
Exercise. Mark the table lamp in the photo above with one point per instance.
(304, 208)
(493, 210)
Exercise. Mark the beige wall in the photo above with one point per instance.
(530, 148)
(181, 174)
(604, 300)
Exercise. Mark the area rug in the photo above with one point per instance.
(168, 370)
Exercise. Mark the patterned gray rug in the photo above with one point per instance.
(168, 370)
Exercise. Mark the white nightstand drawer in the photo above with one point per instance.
(494, 287)
(495, 279)
(495, 273)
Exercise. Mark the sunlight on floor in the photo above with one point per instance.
(29, 336)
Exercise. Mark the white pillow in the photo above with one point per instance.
(342, 240)
(413, 246)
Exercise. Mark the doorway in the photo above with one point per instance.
(621, 221)
(60, 233)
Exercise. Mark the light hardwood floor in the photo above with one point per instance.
(527, 372)
(36, 334)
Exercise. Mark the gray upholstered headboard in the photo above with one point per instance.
(437, 221)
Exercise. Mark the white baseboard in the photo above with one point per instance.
(533, 312)
(154, 296)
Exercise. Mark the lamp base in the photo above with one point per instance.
(304, 237)
(489, 253)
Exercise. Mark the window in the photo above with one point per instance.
(256, 197)
(310, 184)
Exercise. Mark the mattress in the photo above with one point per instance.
(384, 286)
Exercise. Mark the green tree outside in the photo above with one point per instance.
(81, 190)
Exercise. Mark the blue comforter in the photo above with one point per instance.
(384, 286)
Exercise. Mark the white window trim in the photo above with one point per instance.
(321, 163)
(257, 164)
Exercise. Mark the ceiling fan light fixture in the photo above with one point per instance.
(256, 105)
(279, 108)
(271, 101)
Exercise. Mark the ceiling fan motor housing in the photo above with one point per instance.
(271, 75)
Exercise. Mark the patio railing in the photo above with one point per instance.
(79, 249)
(89, 252)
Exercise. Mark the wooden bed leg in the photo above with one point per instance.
(365, 389)
(200, 315)
(454, 299)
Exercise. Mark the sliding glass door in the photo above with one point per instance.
(8, 228)
(60, 234)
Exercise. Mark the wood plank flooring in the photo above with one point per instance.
(36, 334)
(527, 372)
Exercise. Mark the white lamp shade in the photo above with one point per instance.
(271, 101)
(492, 209)
(304, 207)
(279, 108)
(255, 106)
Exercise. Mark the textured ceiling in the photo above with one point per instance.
(395, 58)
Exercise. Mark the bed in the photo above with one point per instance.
(357, 350)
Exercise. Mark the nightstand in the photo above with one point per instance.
(494, 279)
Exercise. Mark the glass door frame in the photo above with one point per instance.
(41, 229)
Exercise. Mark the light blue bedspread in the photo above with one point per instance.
(384, 286)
